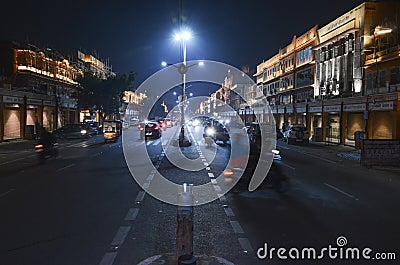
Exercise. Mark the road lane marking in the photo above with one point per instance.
(7, 192)
(236, 227)
(149, 142)
(208, 168)
(341, 191)
(287, 165)
(213, 181)
(217, 188)
(229, 212)
(119, 238)
(156, 142)
(15, 160)
(245, 244)
(211, 175)
(108, 258)
(132, 214)
(60, 169)
(206, 164)
(221, 197)
(140, 196)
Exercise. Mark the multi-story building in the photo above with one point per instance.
(344, 77)
(89, 63)
(287, 79)
(357, 61)
(35, 86)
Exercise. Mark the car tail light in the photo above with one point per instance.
(229, 173)
(155, 127)
(38, 146)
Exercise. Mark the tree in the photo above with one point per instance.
(104, 95)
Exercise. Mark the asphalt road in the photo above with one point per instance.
(84, 207)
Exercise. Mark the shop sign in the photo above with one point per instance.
(355, 107)
(49, 103)
(380, 152)
(331, 108)
(381, 106)
(301, 109)
(33, 101)
(8, 99)
(315, 109)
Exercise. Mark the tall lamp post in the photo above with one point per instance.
(183, 36)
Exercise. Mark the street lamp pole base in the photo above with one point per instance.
(184, 142)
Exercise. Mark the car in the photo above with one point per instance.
(162, 124)
(296, 133)
(93, 128)
(150, 129)
(71, 131)
(217, 132)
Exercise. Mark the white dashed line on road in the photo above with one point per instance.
(221, 197)
(217, 188)
(245, 244)
(341, 191)
(119, 238)
(211, 175)
(60, 169)
(229, 212)
(132, 214)
(108, 258)
(140, 196)
(236, 227)
(7, 192)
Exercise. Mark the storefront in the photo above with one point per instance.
(354, 121)
(12, 116)
(382, 120)
(332, 127)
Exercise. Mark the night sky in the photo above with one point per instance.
(137, 35)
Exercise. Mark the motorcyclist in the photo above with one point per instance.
(45, 138)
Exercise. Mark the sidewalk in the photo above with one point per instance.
(339, 153)
(16, 145)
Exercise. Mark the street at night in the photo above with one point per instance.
(199, 132)
(84, 207)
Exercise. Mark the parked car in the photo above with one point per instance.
(71, 131)
(296, 133)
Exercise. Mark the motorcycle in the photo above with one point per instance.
(276, 178)
(44, 152)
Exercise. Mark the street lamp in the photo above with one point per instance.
(183, 36)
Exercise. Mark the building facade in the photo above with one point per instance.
(344, 77)
(35, 86)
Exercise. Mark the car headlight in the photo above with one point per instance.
(210, 131)
(83, 131)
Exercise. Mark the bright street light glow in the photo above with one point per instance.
(177, 36)
(186, 35)
(163, 63)
(183, 35)
(201, 63)
(174, 93)
(191, 94)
